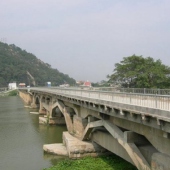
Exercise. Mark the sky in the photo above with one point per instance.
(85, 38)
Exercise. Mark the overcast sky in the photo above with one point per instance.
(85, 38)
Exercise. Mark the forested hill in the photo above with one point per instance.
(17, 65)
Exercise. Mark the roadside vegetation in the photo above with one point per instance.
(13, 93)
(112, 162)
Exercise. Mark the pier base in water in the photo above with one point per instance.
(52, 121)
(75, 148)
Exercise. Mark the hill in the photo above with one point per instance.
(17, 65)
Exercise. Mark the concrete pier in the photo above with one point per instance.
(56, 148)
(75, 148)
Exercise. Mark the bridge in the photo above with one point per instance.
(130, 123)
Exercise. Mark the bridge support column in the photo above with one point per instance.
(67, 114)
(79, 123)
(160, 161)
(79, 126)
(34, 105)
(42, 111)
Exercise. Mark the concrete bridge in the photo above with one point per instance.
(134, 126)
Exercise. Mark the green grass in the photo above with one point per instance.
(88, 163)
(13, 93)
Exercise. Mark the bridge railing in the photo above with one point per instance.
(136, 90)
(156, 101)
(123, 90)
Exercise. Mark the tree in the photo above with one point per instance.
(15, 64)
(139, 72)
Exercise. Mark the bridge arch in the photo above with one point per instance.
(56, 112)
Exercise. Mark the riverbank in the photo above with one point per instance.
(9, 93)
(111, 162)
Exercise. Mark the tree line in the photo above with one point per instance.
(139, 72)
(17, 65)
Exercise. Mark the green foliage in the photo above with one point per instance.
(136, 71)
(13, 93)
(103, 83)
(15, 64)
(88, 163)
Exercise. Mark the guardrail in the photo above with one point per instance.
(136, 90)
(155, 101)
(123, 90)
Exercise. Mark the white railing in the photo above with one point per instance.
(124, 90)
(155, 101)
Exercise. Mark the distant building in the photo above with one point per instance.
(12, 86)
(64, 85)
(79, 83)
(48, 84)
(87, 84)
(21, 84)
(84, 84)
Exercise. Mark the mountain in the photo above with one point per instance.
(17, 65)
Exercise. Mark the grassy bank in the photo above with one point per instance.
(13, 93)
(9, 93)
(104, 163)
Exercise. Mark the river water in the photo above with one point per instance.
(22, 137)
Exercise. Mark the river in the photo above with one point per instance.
(22, 137)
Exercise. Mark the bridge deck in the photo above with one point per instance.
(155, 101)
